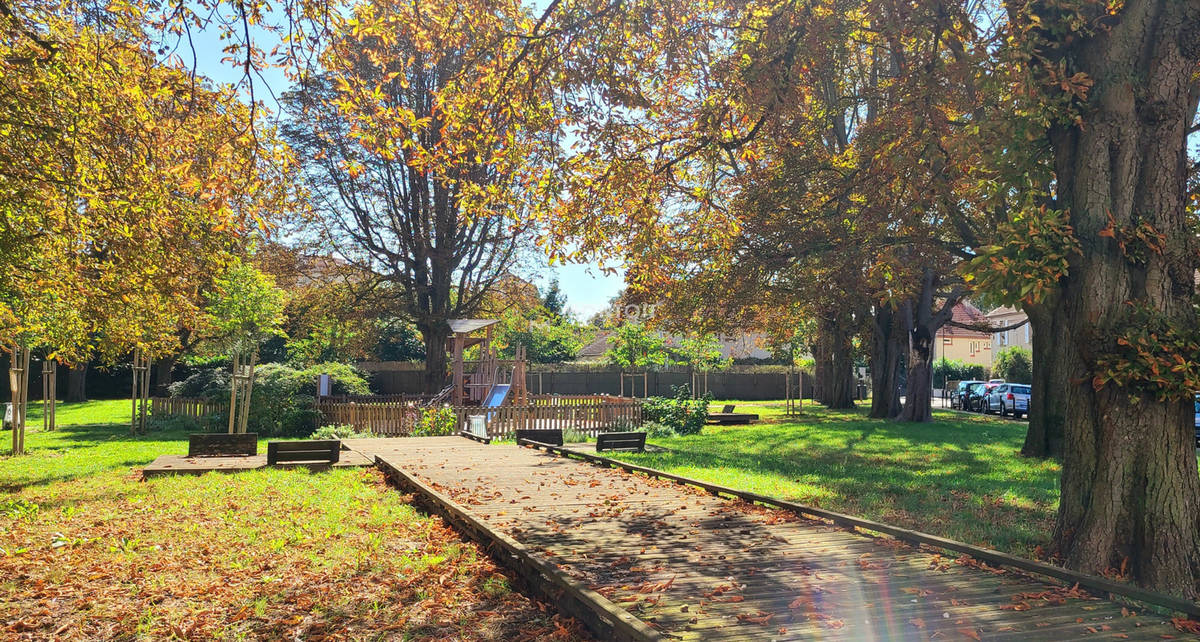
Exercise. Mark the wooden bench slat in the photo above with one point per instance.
(217, 444)
(322, 450)
(553, 437)
(621, 441)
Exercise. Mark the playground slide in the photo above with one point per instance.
(497, 395)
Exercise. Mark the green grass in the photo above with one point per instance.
(89, 551)
(960, 476)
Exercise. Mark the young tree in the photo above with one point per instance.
(124, 182)
(633, 347)
(424, 154)
(1013, 364)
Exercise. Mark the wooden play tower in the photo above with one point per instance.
(489, 380)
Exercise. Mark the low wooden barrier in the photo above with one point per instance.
(391, 419)
(187, 407)
(586, 414)
(1100, 586)
(604, 619)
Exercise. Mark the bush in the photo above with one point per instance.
(656, 430)
(283, 401)
(954, 370)
(1014, 364)
(182, 423)
(343, 431)
(344, 379)
(436, 422)
(681, 413)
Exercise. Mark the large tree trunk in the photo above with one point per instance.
(435, 335)
(922, 320)
(77, 383)
(1130, 488)
(887, 342)
(164, 372)
(834, 357)
(1044, 437)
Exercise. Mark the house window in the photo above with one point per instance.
(947, 340)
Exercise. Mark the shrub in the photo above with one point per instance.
(954, 370)
(344, 379)
(680, 413)
(283, 402)
(435, 422)
(1014, 364)
(656, 430)
(343, 431)
(182, 423)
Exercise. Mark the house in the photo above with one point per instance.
(1006, 316)
(963, 344)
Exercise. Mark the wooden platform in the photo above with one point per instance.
(184, 465)
(697, 566)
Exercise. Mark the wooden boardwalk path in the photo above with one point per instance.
(697, 566)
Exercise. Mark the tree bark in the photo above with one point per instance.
(1044, 437)
(887, 342)
(923, 318)
(435, 336)
(1130, 487)
(77, 383)
(164, 372)
(834, 357)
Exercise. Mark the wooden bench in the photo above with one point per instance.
(554, 437)
(324, 451)
(621, 441)
(728, 416)
(220, 444)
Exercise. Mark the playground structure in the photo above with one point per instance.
(491, 382)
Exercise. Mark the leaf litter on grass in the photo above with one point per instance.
(266, 554)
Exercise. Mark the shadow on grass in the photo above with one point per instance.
(80, 450)
(959, 478)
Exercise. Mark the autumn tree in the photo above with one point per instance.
(423, 155)
(124, 180)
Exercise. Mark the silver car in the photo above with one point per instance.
(1009, 398)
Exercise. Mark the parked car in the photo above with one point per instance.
(959, 394)
(996, 381)
(976, 398)
(1009, 398)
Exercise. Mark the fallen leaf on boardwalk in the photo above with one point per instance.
(917, 622)
(1186, 625)
(971, 633)
(797, 603)
(761, 618)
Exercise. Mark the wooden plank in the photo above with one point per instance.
(222, 444)
(605, 619)
(322, 450)
(1093, 583)
(621, 441)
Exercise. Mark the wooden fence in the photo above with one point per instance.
(393, 419)
(187, 407)
(587, 414)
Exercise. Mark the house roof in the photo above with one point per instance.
(968, 314)
(467, 326)
(1005, 311)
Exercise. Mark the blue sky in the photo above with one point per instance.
(588, 289)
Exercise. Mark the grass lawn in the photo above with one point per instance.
(960, 477)
(88, 551)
